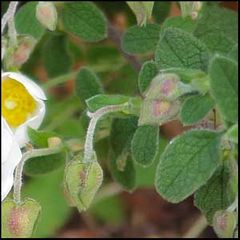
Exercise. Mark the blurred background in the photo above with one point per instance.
(115, 213)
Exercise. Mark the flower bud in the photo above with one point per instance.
(191, 8)
(46, 14)
(158, 111)
(163, 85)
(224, 223)
(20, 55)
(18, 221)
(54, 142)
(168, 86)
(82, 181)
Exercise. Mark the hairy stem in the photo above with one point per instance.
(88, 147)
(8, 15)
(19, 170)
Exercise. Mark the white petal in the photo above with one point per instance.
(31, 86)
(6, 187)
(6, 138)
(34, 122)
(10, 158)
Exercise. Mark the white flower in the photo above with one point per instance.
(11, 156)
(22, 104)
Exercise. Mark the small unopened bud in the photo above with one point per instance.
(191, 8)
(224, 223)
(82, 181)
(54, 142)
(46, 14)
(18, 221)
(21, 54)
(158, 111)
(163, 85)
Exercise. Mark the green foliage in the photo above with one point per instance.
(123, 170)
(121, 164)
(232, 133)
(40, 138)
(215, 194)
(121, 134)
(217, 28)
(186, 24)
(84, 20)
(177, 48)
(139, 40)
(144, 144)
(58, 60)
(195, 108)
(101, 100)
(161, 10)
(145, 176)
(189, 66)
(223, 83)
(147, 73)
(43, 164)
(87, 84)
(187, 163)
(26, 22)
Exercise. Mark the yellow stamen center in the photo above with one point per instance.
(17, 104)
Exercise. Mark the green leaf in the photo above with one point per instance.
(215, 194)
(84, 20)
(223, 83)
(39, 138)
(101, 100)
(123, 170)
(186, 24)
(177, 48)
(144, 144)
(87, 84)
(142, 10)
(121, 133)
(139, 40)
(57, 61)
(83, 181)
(44, 164)
(147, 73)
(195, 108)
(121, 164)
(18, 221)
(26, 22)
(145, 176)
(161, 10)
(217, 28)
(187, 163)
(232, 133)
(233, 53)
(187, 74)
